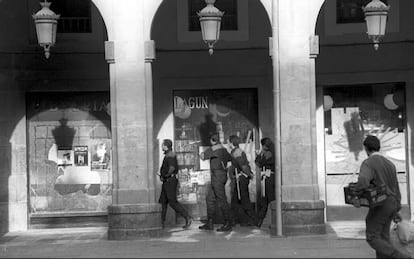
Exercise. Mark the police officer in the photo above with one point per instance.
(265, 160)
(240, 200)
(168, 172)
(219, 157)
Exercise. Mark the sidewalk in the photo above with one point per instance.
(343, 240)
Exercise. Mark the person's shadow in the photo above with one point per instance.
(355, 134)
(206, 129)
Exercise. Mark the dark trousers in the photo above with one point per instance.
(169, 196)
(216, 194)
(269, 196)
(242, 208)
(378, 222)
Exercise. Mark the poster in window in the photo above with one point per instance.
(81, 155)
(65, 156)
(100, 155)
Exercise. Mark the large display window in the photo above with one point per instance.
(69, 154)
(351, 113)
(197, 113)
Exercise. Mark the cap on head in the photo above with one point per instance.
(372, 143)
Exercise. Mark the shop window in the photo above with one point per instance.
(352, 113)
(70, 157)
(350, 11)
(75, 15)
(198, 113)
(228, 22)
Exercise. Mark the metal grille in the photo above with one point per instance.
(75, 15)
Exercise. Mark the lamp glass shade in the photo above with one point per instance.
(376, 23)
(46, 32)
(210, 28)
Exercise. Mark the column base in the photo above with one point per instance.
(134, 221)
(300, 218)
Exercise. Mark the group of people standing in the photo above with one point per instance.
(223, 165)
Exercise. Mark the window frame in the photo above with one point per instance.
(68, 5)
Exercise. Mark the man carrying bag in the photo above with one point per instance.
(378, 170)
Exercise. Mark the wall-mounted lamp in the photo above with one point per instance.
(46, 25)
(210, 21)
(376, 18)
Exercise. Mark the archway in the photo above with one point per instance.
(350, 73)
(32, 74)
(240, 61)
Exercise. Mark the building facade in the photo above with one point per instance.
(81, 131)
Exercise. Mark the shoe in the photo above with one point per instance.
(225, 228)
(188, 221)
(208, 226)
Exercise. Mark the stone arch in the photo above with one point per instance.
(166, 80)
(14, 147)
(104, 8)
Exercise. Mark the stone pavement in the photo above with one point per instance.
(343, 240)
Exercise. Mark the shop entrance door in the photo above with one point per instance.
(351, 113)
(69, 159)
(197, 113)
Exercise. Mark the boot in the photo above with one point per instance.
(188, 221)
(225, 228)
(208, 226)
(233, 223)
(259, 223)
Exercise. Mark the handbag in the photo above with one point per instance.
(402, 229)
(396, 242)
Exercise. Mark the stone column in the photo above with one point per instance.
(302, 211)
(134, 211)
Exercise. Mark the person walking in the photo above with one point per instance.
(168, 172)
(240, 200)
(377, 170)
(265, 160)
(219, 157)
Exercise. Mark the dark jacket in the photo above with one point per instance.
(266, 160)
(239, 161)
(218, 156)
(169, 165)
(378, 170)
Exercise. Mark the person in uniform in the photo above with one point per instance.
(219, 157)
(265, 160)
(240, 200)
(168, 172)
